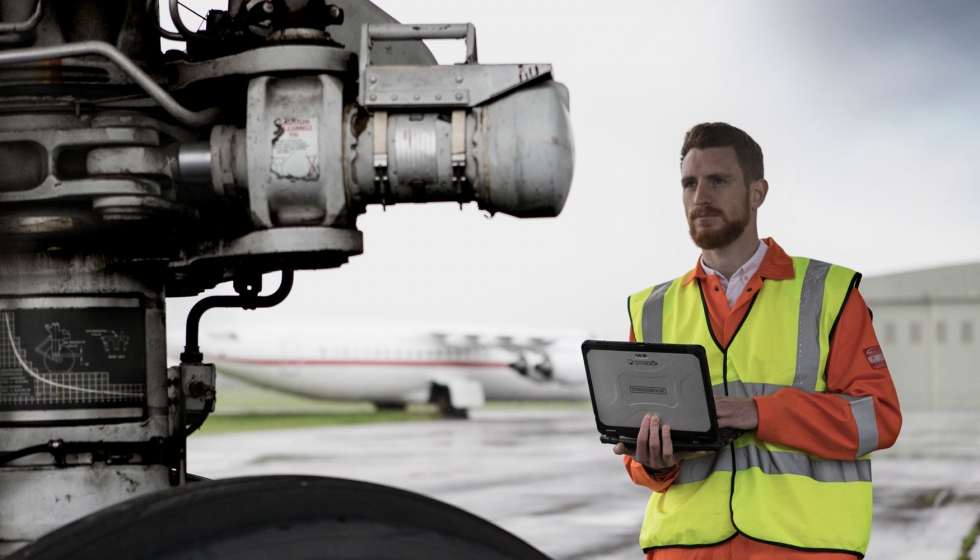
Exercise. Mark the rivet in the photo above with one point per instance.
(394, 97)
(438, 96)
(459, 97)
(459, 79)
(374, 97)
(373, 79)
(416, 97)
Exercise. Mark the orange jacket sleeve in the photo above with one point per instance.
(857, 415)
(640, 476)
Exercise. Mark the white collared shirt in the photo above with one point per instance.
(736, 284)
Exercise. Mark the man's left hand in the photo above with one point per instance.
(737, 412)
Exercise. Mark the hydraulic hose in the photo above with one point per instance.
(105, 50)
(192, 352)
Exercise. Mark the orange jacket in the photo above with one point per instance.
(817, 423)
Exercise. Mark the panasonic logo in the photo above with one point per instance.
(642, 363)
(648, 390)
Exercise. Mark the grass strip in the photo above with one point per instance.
(227, 423)
(969, 541)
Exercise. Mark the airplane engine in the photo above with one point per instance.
(128, 175)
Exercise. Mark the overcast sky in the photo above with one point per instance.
(867, 113)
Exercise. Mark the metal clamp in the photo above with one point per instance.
(382, 185)
(459, 150)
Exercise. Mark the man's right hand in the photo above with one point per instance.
(649, 452)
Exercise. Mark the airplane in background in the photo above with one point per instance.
(395, 366)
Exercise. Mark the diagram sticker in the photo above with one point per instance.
(296, 149)
(72, 358)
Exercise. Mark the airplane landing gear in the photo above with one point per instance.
(442, 398)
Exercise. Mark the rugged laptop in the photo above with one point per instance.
(628, 380)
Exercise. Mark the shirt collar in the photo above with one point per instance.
(776, 265)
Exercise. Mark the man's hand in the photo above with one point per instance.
(649, 452)
(737, 412)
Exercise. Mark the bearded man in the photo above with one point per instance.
(794, 360)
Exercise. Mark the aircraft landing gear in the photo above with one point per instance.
(442, 398)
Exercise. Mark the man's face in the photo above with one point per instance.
(717, 201)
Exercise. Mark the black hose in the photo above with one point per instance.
(50, 447)
(249, 300)
(208, 405)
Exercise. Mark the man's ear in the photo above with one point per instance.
(757, 193)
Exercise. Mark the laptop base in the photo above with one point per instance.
(725, 436)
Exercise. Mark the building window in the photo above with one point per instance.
(915, 333)
(966, 332)
(941, 332)
(890, 333)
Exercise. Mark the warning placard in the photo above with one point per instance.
(296, 149)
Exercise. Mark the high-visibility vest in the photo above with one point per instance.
(767, 492)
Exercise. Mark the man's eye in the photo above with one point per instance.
(690, 184)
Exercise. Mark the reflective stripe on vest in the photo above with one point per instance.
(766, 491)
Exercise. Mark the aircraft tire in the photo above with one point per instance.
(296, 517)
(391, 406)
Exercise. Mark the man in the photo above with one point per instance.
(793, 359)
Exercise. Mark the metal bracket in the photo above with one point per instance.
(459, 149)
(457, 86)
(382, 185)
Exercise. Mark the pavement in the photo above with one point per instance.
(543, 475)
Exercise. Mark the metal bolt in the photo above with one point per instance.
(394, 97)
(373, 79)
(268, 8)
(459, 97)
(373, 97)
(416, 97)
(438, 96)
(334, 12)
(459, 79)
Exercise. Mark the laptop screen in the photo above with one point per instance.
(627, 384)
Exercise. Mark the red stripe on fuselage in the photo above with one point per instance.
(398, 363)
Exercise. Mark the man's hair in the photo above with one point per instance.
(721, 135)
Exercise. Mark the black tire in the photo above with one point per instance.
(391, 406)
(289, 517)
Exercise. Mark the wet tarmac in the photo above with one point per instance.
(543, 475)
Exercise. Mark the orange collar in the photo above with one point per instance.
(776, 265)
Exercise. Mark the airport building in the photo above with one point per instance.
(928, 322)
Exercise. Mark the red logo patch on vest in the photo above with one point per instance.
(875, 357)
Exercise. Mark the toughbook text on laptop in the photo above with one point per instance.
(628, 380)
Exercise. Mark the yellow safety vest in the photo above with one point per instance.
(767, 492)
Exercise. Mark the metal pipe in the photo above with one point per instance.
(164, 99)
(192, 352)
(26, 25)
(179, 23)
(152, 6)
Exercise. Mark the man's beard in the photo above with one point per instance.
(716, 238)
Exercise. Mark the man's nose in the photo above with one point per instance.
(702, 193)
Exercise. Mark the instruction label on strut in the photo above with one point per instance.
(296, 149)
(72, 358)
